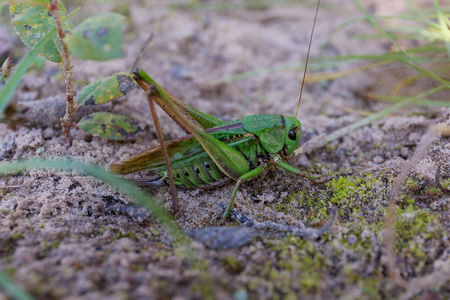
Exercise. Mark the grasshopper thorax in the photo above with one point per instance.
(292, 131)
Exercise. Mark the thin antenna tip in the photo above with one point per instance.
(307, 58)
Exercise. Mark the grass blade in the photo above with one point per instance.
(409, 61)
(123, 185)
(13, 290)
(381, 114)
(320, 142)
(445, 31)
(13, 82)
(131, 190)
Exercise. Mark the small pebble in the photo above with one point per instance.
(241, 295)
(378, 159)
(352, 239)
(181, 72)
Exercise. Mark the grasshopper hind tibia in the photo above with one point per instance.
(155, 181)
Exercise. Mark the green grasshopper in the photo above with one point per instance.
(215, 151)
(218, 152)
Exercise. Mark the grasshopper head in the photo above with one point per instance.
(292, 132)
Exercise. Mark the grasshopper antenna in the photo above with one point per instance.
(141, 51)
(307, 57)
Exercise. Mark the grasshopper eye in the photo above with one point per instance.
(292, 134)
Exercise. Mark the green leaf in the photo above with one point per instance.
(106, 89)
(110, 126)
(13, 81)
(33, 22)
(97, 38)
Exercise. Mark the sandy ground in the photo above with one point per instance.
(68, 236)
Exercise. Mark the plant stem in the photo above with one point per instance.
(68, 74)
(392, 265)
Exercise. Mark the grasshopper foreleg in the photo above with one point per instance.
(247, 176)
(255, 172)
(285, 166)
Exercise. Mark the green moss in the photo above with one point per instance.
(421, 190)
(161, 286)
(417, 232)
(432, 190)
(358, 238)
(411, 183)
(330, 148)
(361, 199)
(49, 246)
(369, 285)
(353, 195)
(413, 224)
(298, 267)
(446, 182)
(154, 231)
(406, 201)
(131, 235)
(17, 236)
(45, 246)
(233, 264)
(11, 271)
(291, 203)
(138, 268)
(8, 259)
(349, 193)
(55, 244)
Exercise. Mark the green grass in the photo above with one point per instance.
(127, 187)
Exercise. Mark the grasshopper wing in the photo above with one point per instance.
(153, 158)
(182, 149)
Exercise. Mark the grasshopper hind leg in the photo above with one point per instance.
(156, 181)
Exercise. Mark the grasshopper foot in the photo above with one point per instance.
(314, 180)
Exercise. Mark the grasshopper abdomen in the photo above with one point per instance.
(198, 170)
